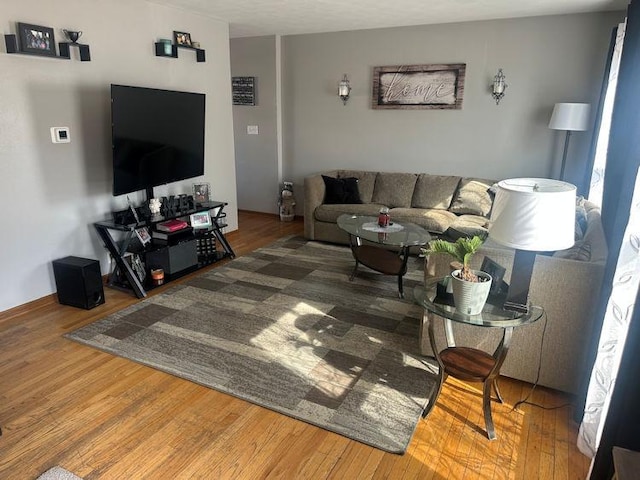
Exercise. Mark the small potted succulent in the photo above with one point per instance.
(470, 287)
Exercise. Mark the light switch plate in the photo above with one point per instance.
(60, 135)
(252, 129)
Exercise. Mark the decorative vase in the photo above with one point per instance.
(470, 297)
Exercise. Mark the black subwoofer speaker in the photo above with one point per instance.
(79, 282)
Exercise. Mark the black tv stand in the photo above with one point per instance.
(123, 275)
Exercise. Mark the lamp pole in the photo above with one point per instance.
(570, 117)
(564, 153)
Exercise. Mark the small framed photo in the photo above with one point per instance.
(201, 193)
(497, 272)
(200, 220)
(182, 39)
(136, 264)
(143, 235)
(36, 40)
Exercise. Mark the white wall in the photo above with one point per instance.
(545, 59)
(256, 155)
(51, 194)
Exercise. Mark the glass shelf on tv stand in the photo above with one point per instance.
(123, 276)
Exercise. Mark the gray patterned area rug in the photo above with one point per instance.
(284, 328)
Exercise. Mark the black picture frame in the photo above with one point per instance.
(36, 40)
(143, 235)
(182, 39)
(201, 193)
(243, 90)
(497, 272)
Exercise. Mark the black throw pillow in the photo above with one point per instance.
(341, 190)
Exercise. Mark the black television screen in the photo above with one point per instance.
(157, 137)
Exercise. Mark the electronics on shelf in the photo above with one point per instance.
(157, 137)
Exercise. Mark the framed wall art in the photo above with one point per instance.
(243, 90)
(409, 87)
(36, 40)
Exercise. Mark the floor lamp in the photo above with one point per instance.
(570, 117)
(531, 215)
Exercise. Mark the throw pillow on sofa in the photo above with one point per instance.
(366, 182)
(473, 197)
(434, 191)
(341, 190)
(394, 190)
(581, 219)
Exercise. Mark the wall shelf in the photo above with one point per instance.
(200, 54)
(11, 44)
(85, 53)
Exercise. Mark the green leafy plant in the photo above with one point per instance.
(462, 250)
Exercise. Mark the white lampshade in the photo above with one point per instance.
(535, 214)
(570, 116)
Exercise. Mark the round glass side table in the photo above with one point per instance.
(467, 363)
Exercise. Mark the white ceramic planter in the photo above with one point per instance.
(470, 297)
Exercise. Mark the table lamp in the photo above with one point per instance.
(531, 215)
(571, 117)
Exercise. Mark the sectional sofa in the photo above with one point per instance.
(565, 283)
(442, 204)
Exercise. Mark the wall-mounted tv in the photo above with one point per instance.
(157, 137)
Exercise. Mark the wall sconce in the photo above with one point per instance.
(498, 87)
(344, 89)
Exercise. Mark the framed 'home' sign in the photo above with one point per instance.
(409, 87)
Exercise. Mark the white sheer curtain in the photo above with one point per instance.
(602, 145)
(625, 284)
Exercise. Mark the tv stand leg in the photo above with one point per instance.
(223, 240)
(124, 266)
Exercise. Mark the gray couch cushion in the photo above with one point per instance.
(473, 197)
(366, 182)
(394, 189)
(594, 236)
(467, 226)
(435, 221)
(434, 191)
(580, 251)
(330, 213)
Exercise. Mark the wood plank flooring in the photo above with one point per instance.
(103, 417)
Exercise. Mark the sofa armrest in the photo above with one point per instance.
(313, 198)
(568, 290)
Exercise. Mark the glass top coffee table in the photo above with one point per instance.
(374, 255)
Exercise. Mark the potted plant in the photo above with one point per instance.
(470, 287)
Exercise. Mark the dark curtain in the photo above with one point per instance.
(622, 425)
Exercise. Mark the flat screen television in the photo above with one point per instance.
(157, 137)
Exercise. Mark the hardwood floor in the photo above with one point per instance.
(101, 416)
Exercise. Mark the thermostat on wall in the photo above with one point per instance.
(60, 135)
